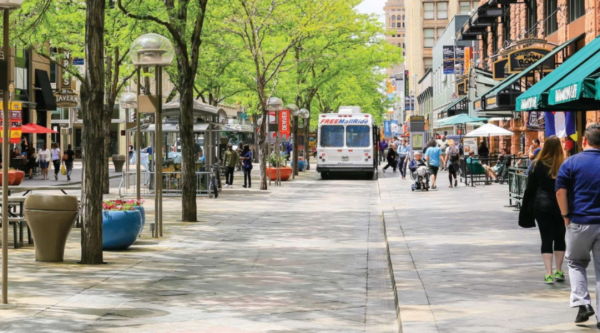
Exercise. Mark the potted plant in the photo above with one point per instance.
(285, 171)
(12, 176)
(135, 204)
(19, 176)
(121, 225)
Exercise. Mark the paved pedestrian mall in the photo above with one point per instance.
(309, 256)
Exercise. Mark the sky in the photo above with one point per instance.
(373, 7)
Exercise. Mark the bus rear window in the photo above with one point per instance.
(358, 136)
(332, 136)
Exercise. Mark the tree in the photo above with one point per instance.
(269, 30)
(183, 20)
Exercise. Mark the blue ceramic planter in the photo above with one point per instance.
(143, 213)
(300, 165)
(120, 229)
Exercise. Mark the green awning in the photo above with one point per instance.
(598, 88)
(580, 84)
(460, 119)
(536, 97)
(454, 106)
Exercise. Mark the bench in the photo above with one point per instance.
(17, 221)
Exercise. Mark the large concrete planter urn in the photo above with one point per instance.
(120, 228)
(118, 161)
(50, 218)
(286, 173)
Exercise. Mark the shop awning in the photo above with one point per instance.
(579, 85)
(536, 97)
(460, 105)
(43, 95)
(460, 119)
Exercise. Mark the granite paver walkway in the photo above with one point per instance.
(305, 257)
(462, 263)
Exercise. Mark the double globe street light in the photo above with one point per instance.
(147, 51)
(6, 5)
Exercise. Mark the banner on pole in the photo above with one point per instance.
(16, 121)
(284, 123)
(387, 129)
(448, 54)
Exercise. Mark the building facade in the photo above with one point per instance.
(427, 21)
(395, 23)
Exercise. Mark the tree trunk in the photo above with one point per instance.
(106, 135)
(262, 144)
(92, 103)
(188, 165)
(307, 151)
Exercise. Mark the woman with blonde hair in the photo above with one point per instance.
(540, 204)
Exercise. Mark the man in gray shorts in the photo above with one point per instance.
(577, 192)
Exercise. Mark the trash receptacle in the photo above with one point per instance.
(50, 218)
(118, 161)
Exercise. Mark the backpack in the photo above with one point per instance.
(454, 154)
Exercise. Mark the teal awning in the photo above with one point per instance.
(460, 119)
(580, 84)
(536, 97)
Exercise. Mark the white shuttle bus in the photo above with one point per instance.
(345, 142)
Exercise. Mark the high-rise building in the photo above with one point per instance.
(395, 22)
(426, 21)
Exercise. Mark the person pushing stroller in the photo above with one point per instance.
(419, 172)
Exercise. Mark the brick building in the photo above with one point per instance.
(502, 27)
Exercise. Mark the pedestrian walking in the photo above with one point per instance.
(55, 152)
(44, 161)
(403, 152)
(231, 160)
(443, 144)
(433, 155)
(68, 160)
(391, 158)
(452, 164)
(247, 165)
(539, 204)
(578, 197)
(383, 145)
(31, 157)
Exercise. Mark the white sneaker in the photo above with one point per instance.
(231, 186)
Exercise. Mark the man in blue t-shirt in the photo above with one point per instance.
(578, 195)
(433, 155)
(535, 149)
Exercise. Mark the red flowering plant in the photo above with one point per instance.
(120, 205)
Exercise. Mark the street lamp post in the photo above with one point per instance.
(6, 5)
(275, 104)
(146, 51)
(305, 114)
(294, 111)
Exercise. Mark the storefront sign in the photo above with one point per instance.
(284, 123)
(565, 94)
(406, 81)
(417, 124)
(66, 77)
(520, 60)
(387, 129)
(477, 105)
(536, 121)
(468, 56)
(529, 103)
(448, 53)
(490, 101)
(66, 99)
(499, 69)
(462, 88)
(16, 121)
(470, 145)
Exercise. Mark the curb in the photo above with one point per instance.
(391, 269)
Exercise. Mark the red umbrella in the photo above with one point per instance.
(36, 129)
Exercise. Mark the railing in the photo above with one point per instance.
(172, 184)
(517, 182)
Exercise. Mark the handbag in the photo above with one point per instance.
(65, 157)
(63, 170)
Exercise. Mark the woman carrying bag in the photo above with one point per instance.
(540, 204)
(43, 157)
(55, 159)
(247, 165)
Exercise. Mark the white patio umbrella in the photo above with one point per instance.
(488, 130)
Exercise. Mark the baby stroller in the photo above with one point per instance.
(421, 178)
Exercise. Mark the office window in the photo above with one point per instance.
(429, 36)
(531, 16)
(464, 8)
(398, 25)
(576, 9)
(427, 63)
(442, 10)
(429, 10)
(551, 23)
(440, 32)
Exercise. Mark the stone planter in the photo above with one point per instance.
(118, 161)
(50, 218)
(120, 229)
(12, 176)
(285, 174)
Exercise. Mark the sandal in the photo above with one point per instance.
(450, 185)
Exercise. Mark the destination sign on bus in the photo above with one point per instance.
(344, 121)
